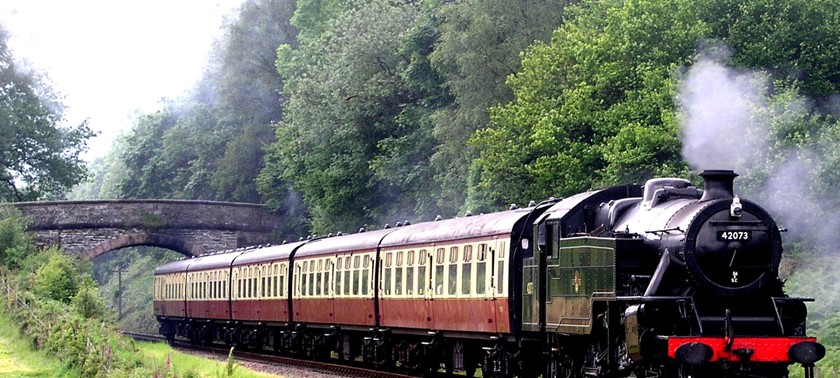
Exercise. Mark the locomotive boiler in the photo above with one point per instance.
(654, 280)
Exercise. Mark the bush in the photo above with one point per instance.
(15, 245)
(87, 302)
(58, 279)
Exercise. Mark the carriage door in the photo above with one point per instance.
(484, 282)
(425, 282)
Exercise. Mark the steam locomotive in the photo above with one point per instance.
(659, 280)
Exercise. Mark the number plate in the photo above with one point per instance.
(734, 235)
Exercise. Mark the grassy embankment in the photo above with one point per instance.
(18, 359)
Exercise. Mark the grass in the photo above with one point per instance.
(19, 359)
(184, 364)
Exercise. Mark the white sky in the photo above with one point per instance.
(112, 58)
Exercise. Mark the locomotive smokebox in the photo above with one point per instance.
(718, 184)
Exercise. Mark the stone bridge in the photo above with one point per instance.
(91, 228)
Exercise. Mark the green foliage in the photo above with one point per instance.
(39, 155)
(134, 293)
(231, 365)
(351, 119)
(587, 103)
(795, 40)
(15, 244)
(106, 174)
(58, 279)
(208, 143)
(87, 301)
(596, 106)
(478, 48)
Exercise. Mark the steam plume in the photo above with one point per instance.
(731, 120)
(719, 106)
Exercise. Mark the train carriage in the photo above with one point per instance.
(334, 281)
(170, 289)
(207, 282)
(455, 274)
(259, 284)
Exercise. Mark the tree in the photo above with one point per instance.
(39, 154)
(58, 279)
(587, 104)
(247, 89)
(351, 124)
(478, 48)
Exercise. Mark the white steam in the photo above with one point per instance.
(720, 107)
(731, 120)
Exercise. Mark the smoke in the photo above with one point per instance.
(733, 119)
(719, 107)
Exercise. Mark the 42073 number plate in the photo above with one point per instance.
(734, 235)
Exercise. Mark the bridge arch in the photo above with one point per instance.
(92, 228)
(145, 239)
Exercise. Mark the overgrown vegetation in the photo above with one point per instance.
(57, 307)
(133, 296)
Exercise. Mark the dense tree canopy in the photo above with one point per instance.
(383, 111)
(209, 143)
(478, 48)
(596, 106)
(39, 153)
(351, 114)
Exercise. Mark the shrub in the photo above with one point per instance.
(87, 302)
(15, 245)
(58, 279)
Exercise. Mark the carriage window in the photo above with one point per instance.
(439, 270)
(355, 280)
(367, 261)
(388, 259)
(409, 275)
(399, 258)
(264, 286)
(500, 275)
(303, 279)
(327, 283)
(311, 281)
(466, 278)
(339, 276)
(281, 284)
(398, 275)
(386, 280)
(453, 271)
(422, 280)
(480, 275)
(365, 280)
(248, 288)
(356, 262)
(319, 288)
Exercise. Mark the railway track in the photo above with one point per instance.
(273, 360)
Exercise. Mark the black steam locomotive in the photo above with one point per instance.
(660, 280)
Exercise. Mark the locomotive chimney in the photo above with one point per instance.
(718, 184)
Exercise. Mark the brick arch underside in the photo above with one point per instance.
(148, 239)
